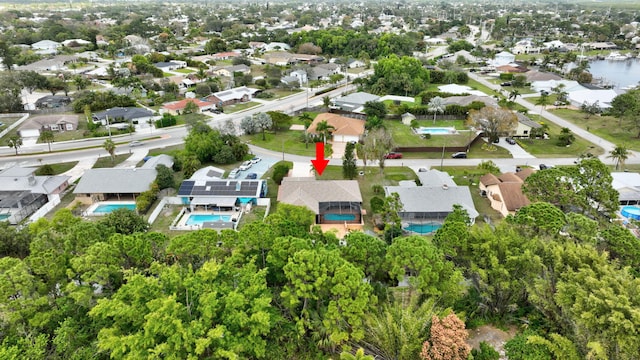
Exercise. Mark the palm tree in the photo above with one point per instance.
(15, 141)
(513, 95)
(324, 128)
(47, 136)
(619, 155)
(110, 146)
(543, 101)
(306, 120)
(436, 105)
(326, 101)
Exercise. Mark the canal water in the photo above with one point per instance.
(617, 73)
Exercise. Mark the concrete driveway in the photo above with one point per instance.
(517, 152)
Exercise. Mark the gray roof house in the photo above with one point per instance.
(154, 161)
(525, 125)
(353, 102)
(468, 99)
(22, 192)
(113, 183)
(120, 114)
(433, 200)
(336, 203)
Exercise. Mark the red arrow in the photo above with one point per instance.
(320, 163)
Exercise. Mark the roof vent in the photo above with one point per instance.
(238, 186)
(32, 180)
(445, 187)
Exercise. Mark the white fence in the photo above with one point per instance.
(54, 200)
(15, 124)
(170, 200)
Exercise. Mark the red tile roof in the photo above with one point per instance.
(179, 105)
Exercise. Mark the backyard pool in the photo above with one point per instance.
(4, 216)
(340, 217)
(198, 219)
(423, 228)
(436, 130)
(631, 212)
(108, 208)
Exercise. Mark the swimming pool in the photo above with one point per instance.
(340, 217)
(631, 212)
(198, 219)
(423, 228)
(108, 208)
(4, 216)
(436, 130)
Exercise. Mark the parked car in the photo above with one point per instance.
(135, 143)
(233, 174)
(251, 176)
(543, 167)
(510, 141)
(506, 83)
(246, 165)
(496, 140)
(423, 169)
(544, 92)
(255, 160)
(393, 155)
(459, 155)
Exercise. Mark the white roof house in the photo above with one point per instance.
(460, 89)
(627, 184)
(589, 96)
(45, 45)
(503, 58)
(547, 85)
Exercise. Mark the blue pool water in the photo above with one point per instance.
(106, 209)
(434, 130)
(4, 216)
(423, 228)
(198, 219)
(243, 200)
(340, 217)
(631, 212)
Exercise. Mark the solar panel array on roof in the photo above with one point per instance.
(219, 188)
(186, 187)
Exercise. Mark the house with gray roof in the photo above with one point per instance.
(22, 193)
(113, 184)
(433, 200)
(337, 204)
(162, 159)
(123, 114)
(353, 102)
(525, 125)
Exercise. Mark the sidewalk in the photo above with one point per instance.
(132, 161)
(77, 171)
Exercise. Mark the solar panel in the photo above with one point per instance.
(186, 187)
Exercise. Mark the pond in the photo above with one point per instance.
(620, 74)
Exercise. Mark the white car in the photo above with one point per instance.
(255, 160)
(233, 174)
(135, 143)
(246, 165)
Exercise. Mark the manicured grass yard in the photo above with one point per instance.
(548, 148)
(290, 140)
(229, 109)
(105, 161)
(280, 93)
(404, 136)
(185, 71)
(606, 127)
(470, 176)
(60, 168)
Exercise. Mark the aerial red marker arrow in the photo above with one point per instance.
(320, 163)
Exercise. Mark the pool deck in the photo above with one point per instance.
(341, 230)
(182, 224)
(90, 210)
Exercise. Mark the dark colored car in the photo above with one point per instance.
(393, 155)
(251, 176)
(507, 83)
(510, 141)
(543, 167)
(496, 140)
(459, 155)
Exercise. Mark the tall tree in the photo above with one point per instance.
(493, 121)
(436, 105)
(110, 147)
(619, 154)
(324, 128)
(47, 136)
(15, 142)
(375, 109)
(543, 101)
(349, 167)
(447, 340)
(378, 143)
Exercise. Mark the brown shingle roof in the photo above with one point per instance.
(525, 173)
(510, 178)
(512, 195)
(489, 179)
(343, 125)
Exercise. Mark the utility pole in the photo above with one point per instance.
(108, 127)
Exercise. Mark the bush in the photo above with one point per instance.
(426, 136)
(279, 172)
(377, 189)
(506, 76)
(518, 349)
(45, 170)
(265, 95)
(486, 352)
(224, 156)
(166, 120)
(164, 177)
(376, 204)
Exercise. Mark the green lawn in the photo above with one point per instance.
(272, 186)
(289, 140)
(391, 176)
(280, 93)
(607, 127)
(105, 161)
(166, 74)
(404, 136)
(548, 148)
(60, 168)
(184, 118)
(185, 71)
(229, 109)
